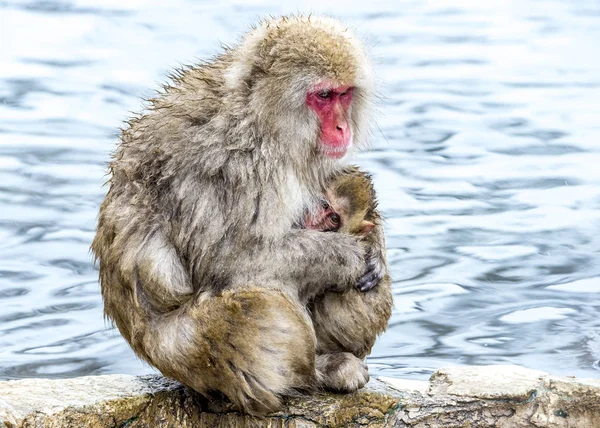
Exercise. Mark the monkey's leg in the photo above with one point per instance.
(351, 321)
(253, 345)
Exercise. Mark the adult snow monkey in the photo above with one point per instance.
(202, 266)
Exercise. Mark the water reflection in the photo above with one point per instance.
(485, 158)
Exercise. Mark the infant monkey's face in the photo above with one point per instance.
(334, 215)
(325, 218)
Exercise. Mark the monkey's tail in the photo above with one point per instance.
(253, 345)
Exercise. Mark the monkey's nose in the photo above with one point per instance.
(342, 127)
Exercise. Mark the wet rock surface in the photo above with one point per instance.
(499, 396)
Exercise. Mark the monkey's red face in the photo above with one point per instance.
(332, 106)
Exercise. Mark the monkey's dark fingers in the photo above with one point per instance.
(369, 281)
(372, 275)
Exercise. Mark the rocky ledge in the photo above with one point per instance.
(486, 396)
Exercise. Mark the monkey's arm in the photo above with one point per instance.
(316, 261)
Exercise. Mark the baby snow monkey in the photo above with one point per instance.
(349, 321)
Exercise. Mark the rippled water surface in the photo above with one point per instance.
(486, 158)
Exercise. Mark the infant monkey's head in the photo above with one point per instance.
(346, 203)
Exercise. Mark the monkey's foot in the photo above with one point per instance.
(342, 372)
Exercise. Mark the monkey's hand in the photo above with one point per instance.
(376, 261)
(374, 272)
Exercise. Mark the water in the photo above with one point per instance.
(486, 159)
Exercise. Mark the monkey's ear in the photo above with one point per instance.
(366, 227)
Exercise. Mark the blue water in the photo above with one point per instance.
(486, 157)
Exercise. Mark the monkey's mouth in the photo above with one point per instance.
(335, 152)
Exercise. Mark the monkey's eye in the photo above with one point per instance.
(335, 219)
(346, 92)
(325, 94)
